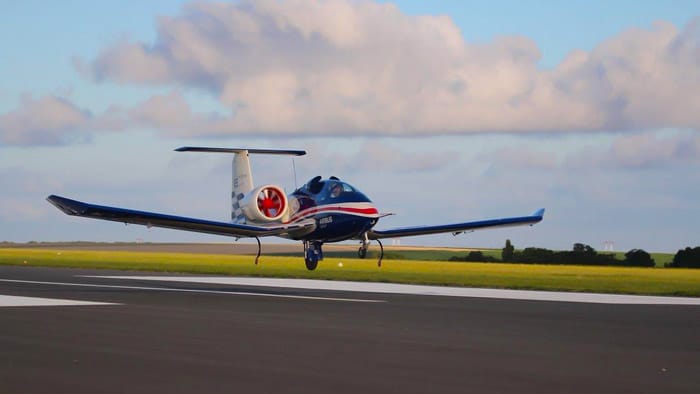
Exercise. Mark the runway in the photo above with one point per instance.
(146, 333)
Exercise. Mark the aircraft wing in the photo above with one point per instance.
(78, 208)
(457, 228)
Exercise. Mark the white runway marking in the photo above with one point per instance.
(6, 300)
(243, 293)
(393, 288)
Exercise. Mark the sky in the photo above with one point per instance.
(441, 112)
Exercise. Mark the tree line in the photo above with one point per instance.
(582, 254)
(686, 258)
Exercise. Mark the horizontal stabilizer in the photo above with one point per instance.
(241, 150)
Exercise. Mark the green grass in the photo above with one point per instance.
(660, 258)
(396, 253)
(514, 276)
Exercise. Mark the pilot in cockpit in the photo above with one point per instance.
(336, 189)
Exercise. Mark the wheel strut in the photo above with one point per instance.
(364, 245)
(381, 253)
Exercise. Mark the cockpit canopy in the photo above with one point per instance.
(331, 189)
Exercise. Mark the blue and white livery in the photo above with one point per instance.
(322, 210)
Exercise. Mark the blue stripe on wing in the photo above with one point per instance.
(78, 208)
(458, 227)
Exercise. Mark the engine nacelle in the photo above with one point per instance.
(265, 204)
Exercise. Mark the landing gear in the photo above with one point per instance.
(364, 245)
(311, 263)
(312, 254)
(362, 252)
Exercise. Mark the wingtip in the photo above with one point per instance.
(68, 206)
(53, 199)
(539, 212)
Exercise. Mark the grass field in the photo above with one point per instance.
(514, 276)
(396, 253)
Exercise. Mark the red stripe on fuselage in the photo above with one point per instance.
(312, 211)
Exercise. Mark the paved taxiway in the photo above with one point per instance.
(165, 336)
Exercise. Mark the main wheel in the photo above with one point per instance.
(311, 264)
(362, 252)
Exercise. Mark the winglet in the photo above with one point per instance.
(539, 212)
(68, 206)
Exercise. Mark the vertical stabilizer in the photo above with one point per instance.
(242, 184)
(242, 176)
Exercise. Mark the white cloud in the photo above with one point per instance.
(346, 68)
(53, 120)
(523, 158)
(632, 151)
(391, 158)
(650, 149)
(644, 150)
(640, 78)
(342, 68)
(48, 120)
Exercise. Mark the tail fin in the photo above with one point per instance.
(242, 176)
(242, 185)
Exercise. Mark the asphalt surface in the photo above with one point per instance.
(213, 338)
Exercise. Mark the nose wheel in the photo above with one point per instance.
(364, 245)
(312, 254)
(362, 252)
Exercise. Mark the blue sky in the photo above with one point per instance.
(499, 108)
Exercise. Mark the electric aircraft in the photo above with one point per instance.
(320, 211)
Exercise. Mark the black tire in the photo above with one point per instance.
(362, 252)
(311, 264)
